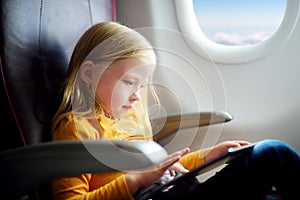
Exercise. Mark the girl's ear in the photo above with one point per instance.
(86, 72)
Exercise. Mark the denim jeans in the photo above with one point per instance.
(271, 163)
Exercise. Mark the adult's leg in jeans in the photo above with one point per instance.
(251, 176)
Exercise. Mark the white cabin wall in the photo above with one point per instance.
(263, 95)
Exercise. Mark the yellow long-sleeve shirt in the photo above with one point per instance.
(110, 186)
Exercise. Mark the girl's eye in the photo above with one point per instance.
(127, 82)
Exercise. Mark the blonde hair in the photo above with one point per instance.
(104, 43)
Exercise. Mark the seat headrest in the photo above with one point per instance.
(37, 39)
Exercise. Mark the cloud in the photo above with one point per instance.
(234, 39)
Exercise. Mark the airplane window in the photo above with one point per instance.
(213, 28)
(235, 22)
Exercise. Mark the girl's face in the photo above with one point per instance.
(120, 84)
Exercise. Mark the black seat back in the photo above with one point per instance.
(36, 41)
(37, 38)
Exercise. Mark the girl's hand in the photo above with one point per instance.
(221, 148)
(145, 177)
(177, 167)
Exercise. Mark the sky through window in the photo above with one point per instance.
(236, 22)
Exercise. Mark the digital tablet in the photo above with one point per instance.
(186, 178)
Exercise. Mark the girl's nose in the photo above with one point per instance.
(135, 96)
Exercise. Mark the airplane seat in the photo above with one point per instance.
(37, 39)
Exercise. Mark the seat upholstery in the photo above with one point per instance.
(36, 41)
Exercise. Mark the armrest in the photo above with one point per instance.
(24, 169)
(173, 123)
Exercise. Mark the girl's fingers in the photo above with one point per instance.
(178, 168)
(173, 158)
(181, 152)
(242, 143)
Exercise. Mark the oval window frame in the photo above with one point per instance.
(233, 54)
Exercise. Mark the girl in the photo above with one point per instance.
(105, 97)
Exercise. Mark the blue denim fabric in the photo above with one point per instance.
(271, 163)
